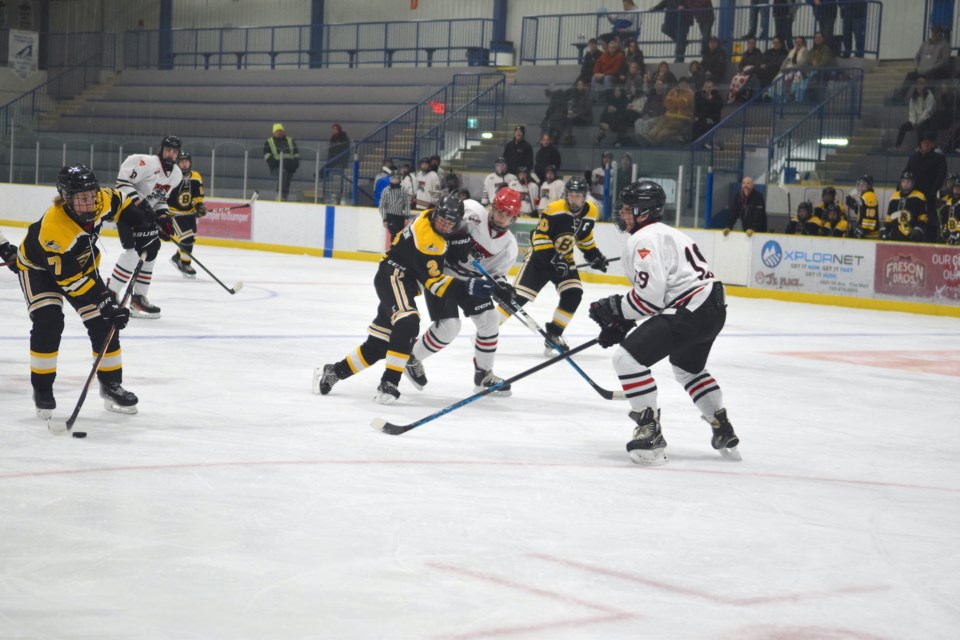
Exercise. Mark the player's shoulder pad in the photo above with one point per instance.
(592, 212)
(869, 198)
(58, 232)
(426, 239)
(917, 194)
(556, 207)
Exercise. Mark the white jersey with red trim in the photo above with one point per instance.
(497, 252)
(142, 176)
(492, 184)
(550, 191)
(667, 271)
(529, 196)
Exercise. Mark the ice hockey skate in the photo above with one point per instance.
(724, 439)
(118, 399)
(387, 393)
(484, 378)
(324, 379)
(648, 445)
(415, 373)
(44, 401)
(183, 267)
(554, 337)
(140, 307)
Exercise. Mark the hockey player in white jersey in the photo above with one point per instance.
(490, 240)
(683, 309)
(550, 189)
(428, 187)
(496, 181)
(528, 190)
(147, 180)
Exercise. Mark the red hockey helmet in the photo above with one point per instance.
(508, 201)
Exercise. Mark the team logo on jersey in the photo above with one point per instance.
(643, 253)
(53, 246)
(142, 163)
(771, 254)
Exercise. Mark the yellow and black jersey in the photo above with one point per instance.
(907, 210)
(559, 231)
(821, 208)
(419, 251)
(839, 229)
(185, 197)
(56, 243)
(868, 215)
(812, 226)
(949, 213)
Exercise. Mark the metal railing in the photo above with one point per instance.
(410, 43)
(555, 39)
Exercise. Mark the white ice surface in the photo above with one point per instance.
(237, 504)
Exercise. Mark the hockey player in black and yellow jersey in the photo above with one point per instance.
(805, 222)
(867, 224)
(185, 206)
(58, 260)
(835, 223)
(563, 225)
(906, 213)
(949, 214)
(414, 261)
(828, 197)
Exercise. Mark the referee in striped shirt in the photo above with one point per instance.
(394, 206)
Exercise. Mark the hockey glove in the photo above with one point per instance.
(146, 212)
(200, 210)
(607, 312)
(505, 292)
(612, 336)
(597, 260)
(560, 264)
(165, 223)
(478, 288)
(146, 238)
(8, 253)
(954, 238)
(852, 204)
(113, 312)
(916, 234)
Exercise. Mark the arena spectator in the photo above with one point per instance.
(613, 118)
(771, 62)
(635, 82)
(653, 110)
(555, 118)
(607, 69)
(821, 57)
(825, 15)
(764, 16)
(707, 108)
(518, 152)
(703, 15)
(547, 154)
(696, 74)
(749, 207)
(589, 59)
(920, 110)
(632, 53)
(932, 62)
(624, 25)
(579, 110)
(278, 146)
(792, 71)
(783, 14)
(715, 61)
(675, 127)
(853, 13)
(676, 24)
(743, 84)
(664, 73)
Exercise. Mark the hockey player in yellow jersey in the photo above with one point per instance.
(58, 260)
(867, 224)
(828, 197)
(950, 215)
(563, 225)
(906, 213)
(185, 206)
(414, 261)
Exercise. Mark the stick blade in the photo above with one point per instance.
(57, 427)
(236, 288)
(390, 429)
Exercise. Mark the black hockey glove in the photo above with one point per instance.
(560, 264)
(8, 253)
(607, 313)
(916, 234)
(113, 312)
(597, 260)
(145, 211)
(146, 238)
(505, 292)
(478, 288)
(852, 204)
(200, 210)
(953, 238)
(165, 224)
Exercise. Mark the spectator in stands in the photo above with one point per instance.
(280, 146)
(930, 170)
(932, 62)
(394, 205)
(579, 110)
(632, 53)
(555, 118)
(696, 74)
(518, 151)
(636, 81)
(853, 13)
(825, 15)
(920, 111)
(703, 14)
(589, 59)
(907, 218)
(625, 24)
(749, 207)
(653, 110)
(707, 108)
(607, 70)
(676, 24)
(338, 153)
(783, 14)
(715, 61)
(771, 62)
(664, 73)
(763, 14)
(792, 71)
(614, 115)
(743, 84)
(547, 154)
(821, 57)
(804, 222)
(551, 188)
(675, 127)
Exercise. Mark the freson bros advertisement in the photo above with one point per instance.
(923, 272)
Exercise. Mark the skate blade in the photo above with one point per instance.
(317, 374)
(116, 408)
(57, 427)
(730, 453)
(136, 313)
(416, 385)
(501, 393)
(44, 414)
(648, 457)
(384, 398)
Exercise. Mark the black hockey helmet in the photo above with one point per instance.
(645, 200)
(523, 169)
(395, 177)
(550, 168)
(170, 142)
(500, 161)
(804, 210)
(423, 161)
(453, 182)
(185, 155)
(450, 208)
(866, 179)
(72, 180)
(832, 212)
(907, 175)
(951, 180)
(829, 191)
(576, 184)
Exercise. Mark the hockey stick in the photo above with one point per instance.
(253, 198)
(587, 264)
(58, 427)
(396, 429)
(531, 324)
(237, 286)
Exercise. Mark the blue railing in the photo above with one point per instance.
(481, 98)
(556, 39)
(411, 43)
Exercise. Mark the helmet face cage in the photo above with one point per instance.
(77, 179)
(185, 157)
(646, 200)
(804, 210)
(450, 209)
(865, 179)
(829, 192)
(575, 185)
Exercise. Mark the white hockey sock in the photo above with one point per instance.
(439, 335)
(144, 279)
(123, 270)
(703, 390)
(486, 339)
(636, 380)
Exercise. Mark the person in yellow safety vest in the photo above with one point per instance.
(280, 145)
